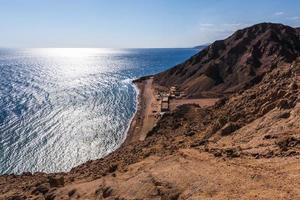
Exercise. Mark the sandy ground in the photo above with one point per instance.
(201, 102)
(145, 117)
(151, 109)
(195, 175)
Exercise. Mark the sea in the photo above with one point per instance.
(60, 107)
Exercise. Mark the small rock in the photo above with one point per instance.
(40, 189)
(56, 181)
(174, 196)
(232, 153)
(293, 86)
(190, 133)
(256, 155)
(284, 115)
(199, 143)
(288, 142)
(268, 137)
(112, 168)
(270, 154)
(267, 107)
(107, 192)
(16, 197)
(221, 102)
(217, 153)
(71, 192)
(50, 196)
(229, 128)
(283, 104)
(26, 174)
(180, 142)
(98, 191)
(280, 93)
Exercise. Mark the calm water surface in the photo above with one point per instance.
(62, 107)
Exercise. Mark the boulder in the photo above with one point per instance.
(229, 128)
(293, 86)
(43, 189)
(107, 191)
(284, 104)
(56, 181)
(190, 133)
(16, 197)
(112, 168)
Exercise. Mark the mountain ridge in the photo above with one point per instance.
(231, 64)
(245, 146)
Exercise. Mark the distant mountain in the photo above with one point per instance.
(203, 46)
(232, 64)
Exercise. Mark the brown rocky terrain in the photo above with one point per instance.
(232, 64)
(246, 146)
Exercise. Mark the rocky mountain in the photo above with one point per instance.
(236, 62)
(246, 146)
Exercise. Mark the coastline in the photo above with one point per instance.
(147, 111)
(130, 136)
(245, 146)
(140, 123)
(133, 117)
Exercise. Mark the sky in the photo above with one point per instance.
(134, 23)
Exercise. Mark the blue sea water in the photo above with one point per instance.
(62, 107)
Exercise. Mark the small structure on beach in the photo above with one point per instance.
(174, 92)
(164, 103)
(164, 107)
(165, 99)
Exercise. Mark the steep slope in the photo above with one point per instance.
(236, 62)
(247, 146)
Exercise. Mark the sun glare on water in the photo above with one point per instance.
(76, 62)
(73, 52)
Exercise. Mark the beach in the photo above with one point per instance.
(180, 145)
(148, 110)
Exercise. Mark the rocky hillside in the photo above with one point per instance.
(247, 146)
(235, 63)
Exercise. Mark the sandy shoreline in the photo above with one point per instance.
(130, 137)
(148, 109)
(143, 120)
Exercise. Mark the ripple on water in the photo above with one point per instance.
(62, 107)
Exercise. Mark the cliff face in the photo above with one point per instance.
(236, 62)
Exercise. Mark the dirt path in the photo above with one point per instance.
(150, 105)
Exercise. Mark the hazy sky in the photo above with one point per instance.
(134, 23)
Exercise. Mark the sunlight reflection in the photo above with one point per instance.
(75, 63)
(74, 52)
